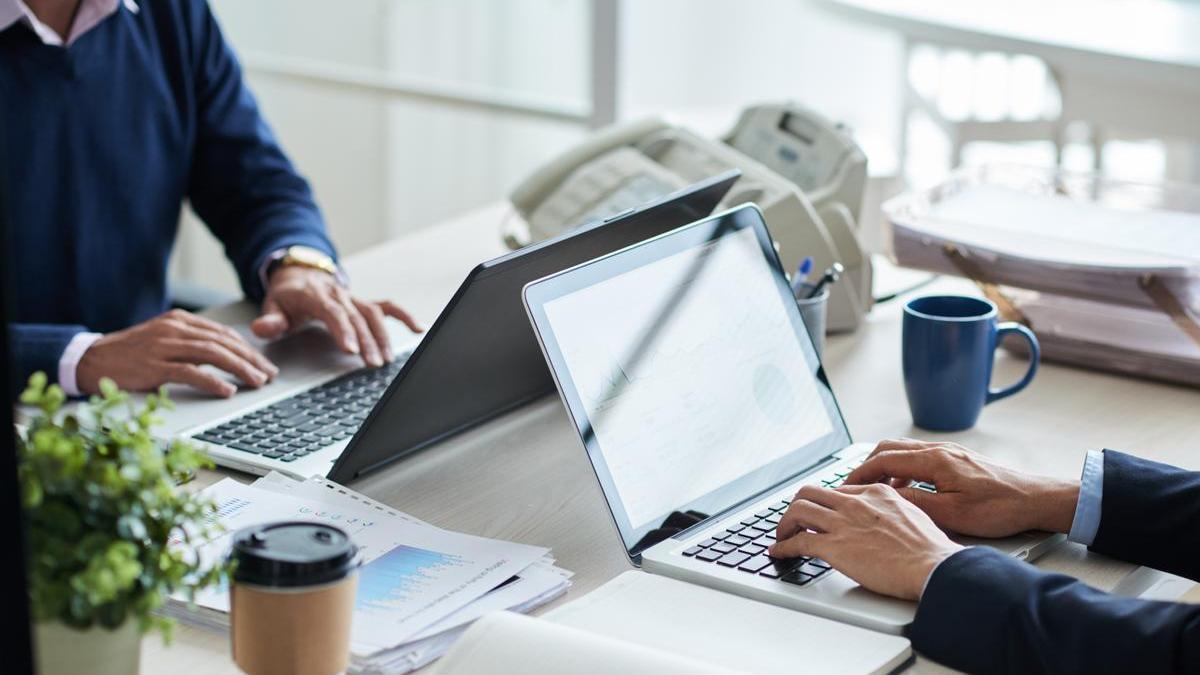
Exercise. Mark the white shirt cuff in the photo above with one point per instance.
(68, 363)
(1091, 493)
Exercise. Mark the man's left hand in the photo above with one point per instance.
(297, 294)
(867, 532)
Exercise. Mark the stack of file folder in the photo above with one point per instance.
(419, 588)
(1105, 272)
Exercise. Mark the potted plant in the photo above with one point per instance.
(102, 504)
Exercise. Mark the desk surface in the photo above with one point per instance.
(524, 477)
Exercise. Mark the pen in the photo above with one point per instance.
(802, 271)
(831, 276)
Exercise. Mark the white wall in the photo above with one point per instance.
(720, 55)
(382, 167)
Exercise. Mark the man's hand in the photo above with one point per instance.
(867, 532)
(297, 294)
(975, 496)
(171, 348)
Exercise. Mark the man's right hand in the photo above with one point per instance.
(975, 496)
(171, 348)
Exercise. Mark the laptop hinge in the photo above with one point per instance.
(812, 468)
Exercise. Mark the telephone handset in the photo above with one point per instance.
(601, 177)
(628, 165)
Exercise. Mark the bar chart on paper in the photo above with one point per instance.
(394, 578)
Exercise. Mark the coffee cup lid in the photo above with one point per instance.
(290, 554)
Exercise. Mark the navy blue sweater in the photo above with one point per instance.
(105, 139)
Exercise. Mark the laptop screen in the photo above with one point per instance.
(688, 370)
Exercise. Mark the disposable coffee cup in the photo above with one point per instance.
(292, 598)
(813, 311)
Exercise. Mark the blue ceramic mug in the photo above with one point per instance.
(949, 341)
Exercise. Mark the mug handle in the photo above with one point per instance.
(1035, 354)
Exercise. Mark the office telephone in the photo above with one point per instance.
(804, 172)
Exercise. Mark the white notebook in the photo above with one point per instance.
(643, 623)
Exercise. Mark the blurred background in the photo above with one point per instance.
(404, 112)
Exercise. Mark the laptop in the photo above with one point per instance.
(702, 405)
(326, 415)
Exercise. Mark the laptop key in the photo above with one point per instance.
(811, 569)
(821, 563)
(763, 514)
(753, 549)
(720, 536)
(708, 556)
(750, 521)
(781, 506)
(693, 551)
(723, 547)
(735, 529)
(780, 567)
(294, 420)
(755, 564)
(244, 447)
(707, 542)
(733, 559)
(798, 578)
(737, 540)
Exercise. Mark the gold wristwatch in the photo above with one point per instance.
(306, 256)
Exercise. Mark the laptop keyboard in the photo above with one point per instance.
(309, 421)
(744, 546)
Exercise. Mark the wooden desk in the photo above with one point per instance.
(524, 477)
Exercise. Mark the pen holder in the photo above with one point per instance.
(813, 311)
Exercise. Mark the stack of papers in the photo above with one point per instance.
(1050, 242)
(1130, 340)
(1076, 266)
(419, 587)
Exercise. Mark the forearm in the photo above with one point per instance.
(1150, 514)
(985, 612)
(242, 184)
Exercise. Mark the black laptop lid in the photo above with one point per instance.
(480, 359)
(686, 367)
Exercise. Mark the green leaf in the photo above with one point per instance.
(102, 502)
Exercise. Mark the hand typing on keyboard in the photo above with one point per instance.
(296, 294)
(975, 496)
(868, 532)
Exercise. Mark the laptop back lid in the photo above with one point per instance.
(686, 367)
(480, 359)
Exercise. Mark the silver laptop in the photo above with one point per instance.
(701, 403)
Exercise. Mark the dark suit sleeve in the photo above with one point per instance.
(242, 185)
(985, 612)
(1150, 514)
(37, 347)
